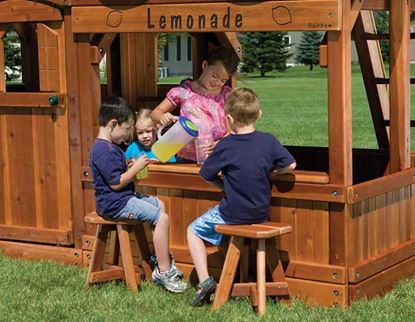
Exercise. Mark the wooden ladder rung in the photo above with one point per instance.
(387, 123)
(380, 80)
(372, 36)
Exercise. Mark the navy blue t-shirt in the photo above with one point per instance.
(246, 161)
(108, 163)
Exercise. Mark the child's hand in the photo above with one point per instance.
(140, 163)
(210, 146)
(167, 119)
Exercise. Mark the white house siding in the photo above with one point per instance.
(175, 66)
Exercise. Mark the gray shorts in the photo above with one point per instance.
(141, 207)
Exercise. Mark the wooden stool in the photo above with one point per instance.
(267, 246)
(131, 274)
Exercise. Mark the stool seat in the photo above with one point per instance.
(94, 218)
(267, 255)
(255, 231)
(127, 271)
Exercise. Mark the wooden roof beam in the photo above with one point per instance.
(381, 5)
(25, 11)
(203, 17)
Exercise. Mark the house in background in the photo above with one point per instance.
(177, 55)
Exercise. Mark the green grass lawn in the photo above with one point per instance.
(46, 291)
(294, 106)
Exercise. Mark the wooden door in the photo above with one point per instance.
(35, 195)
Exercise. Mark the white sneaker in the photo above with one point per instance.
(170, 280)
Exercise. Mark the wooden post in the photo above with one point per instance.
(399, 26)
(138, 65)
(2, 64)
(199, 52)
(340, 126)
(72, 81)
(339, 104)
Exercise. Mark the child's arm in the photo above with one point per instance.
(129, 175)
(287, 169)
(161, 114)
(218, 183)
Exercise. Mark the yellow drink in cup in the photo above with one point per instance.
(142, 174)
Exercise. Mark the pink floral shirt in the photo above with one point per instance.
(207, 111)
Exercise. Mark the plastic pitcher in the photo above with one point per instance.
(171, 142)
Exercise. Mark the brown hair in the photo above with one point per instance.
(226, 56)
(243, 105)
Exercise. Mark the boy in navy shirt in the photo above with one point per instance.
(246, 158)
(114, 187)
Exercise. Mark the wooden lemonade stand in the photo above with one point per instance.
(352, 210)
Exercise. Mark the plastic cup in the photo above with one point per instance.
(200, 145)
(142, 174)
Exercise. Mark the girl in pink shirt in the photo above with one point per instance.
(202, 100)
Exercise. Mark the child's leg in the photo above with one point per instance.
(161, 240)
(198, 252)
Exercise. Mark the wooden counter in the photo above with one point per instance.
(297, 175)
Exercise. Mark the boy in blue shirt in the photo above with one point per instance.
(114, 187)
(246, 158)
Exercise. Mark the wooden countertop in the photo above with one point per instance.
(297, 175)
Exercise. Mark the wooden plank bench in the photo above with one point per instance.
(266, 247)
(131, 274)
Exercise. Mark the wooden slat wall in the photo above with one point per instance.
(309, 240)
(381, 223)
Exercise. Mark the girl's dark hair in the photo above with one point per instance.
(115, 107)
(226, 56)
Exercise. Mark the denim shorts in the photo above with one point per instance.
(204, 226)
(141, 207)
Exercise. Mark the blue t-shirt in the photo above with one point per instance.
(136, 149)
(246, 161)
(108, 163)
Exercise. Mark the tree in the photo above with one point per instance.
(13, 56)
(264, 51)
(308, 48)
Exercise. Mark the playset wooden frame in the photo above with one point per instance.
(352, 210)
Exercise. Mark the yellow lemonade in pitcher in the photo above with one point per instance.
(164, 151)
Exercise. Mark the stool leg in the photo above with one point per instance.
(244, 262)
(274, 264)
(97, 260)
(228, 272)
(127, 257)
(261, 277)
(143, 249)
(114, 249)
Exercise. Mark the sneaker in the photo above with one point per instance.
(154, 264)
(169, 280)
(204, 290)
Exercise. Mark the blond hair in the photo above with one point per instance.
(243, 105)
(143, 114)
